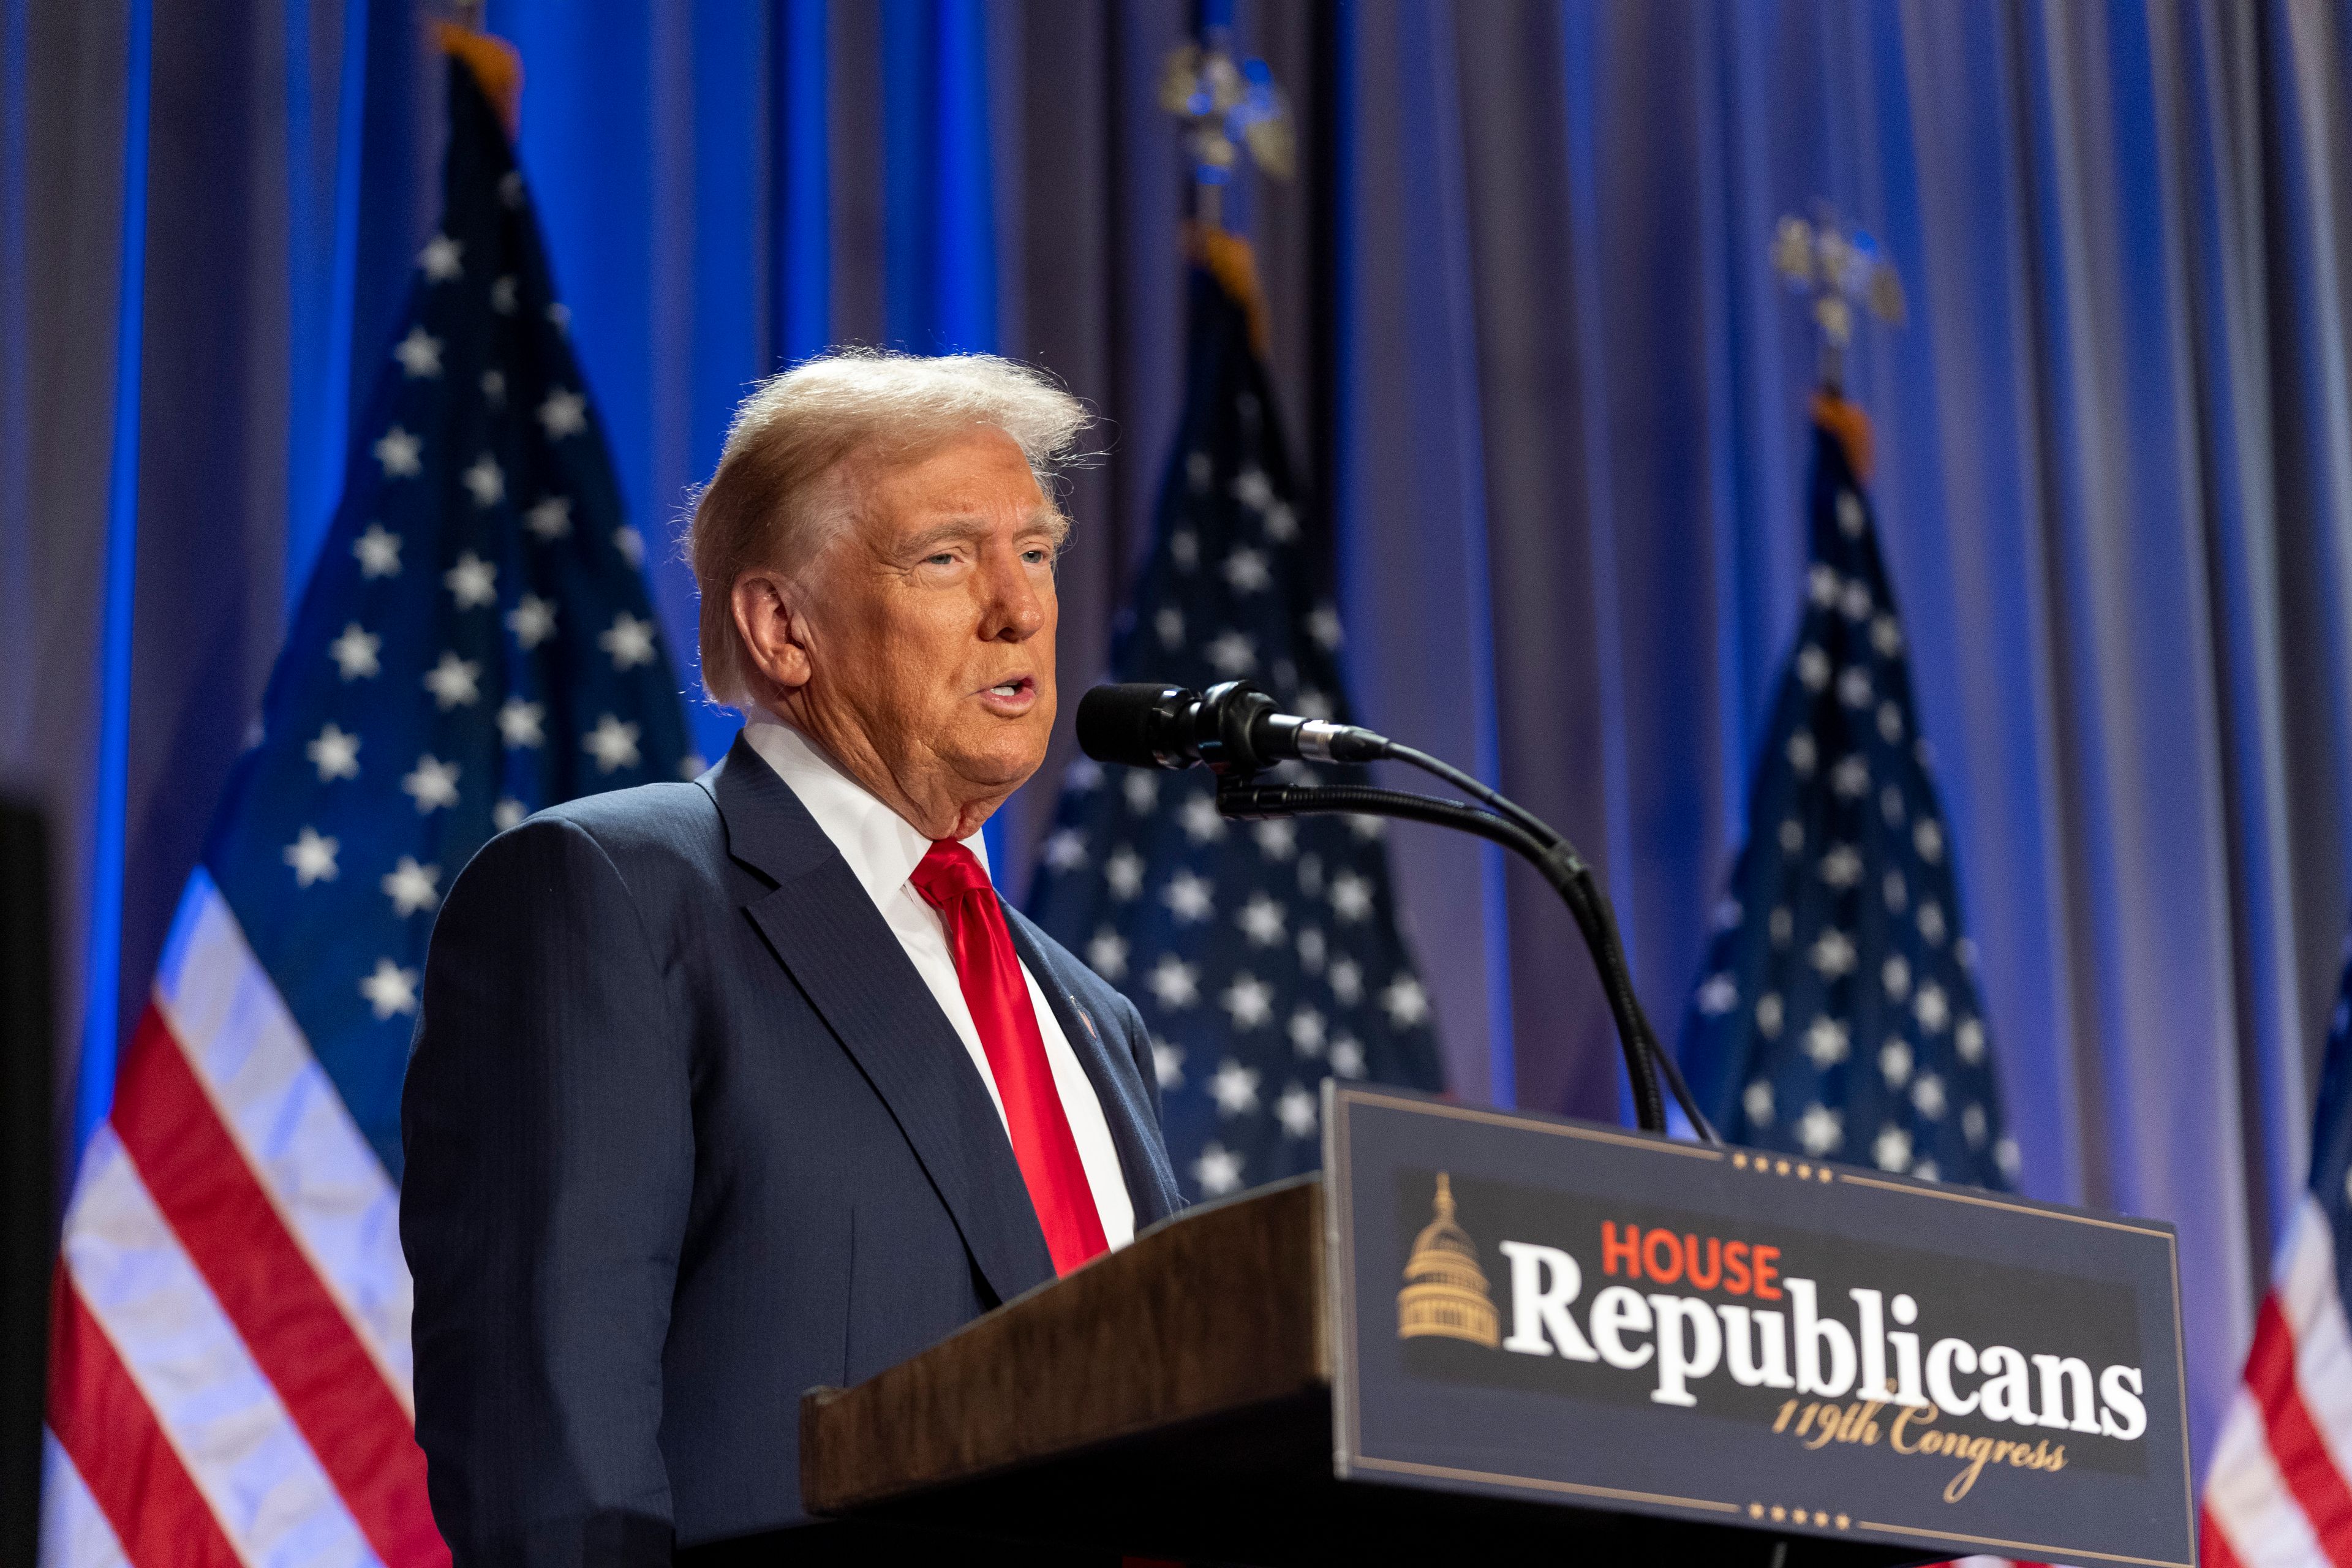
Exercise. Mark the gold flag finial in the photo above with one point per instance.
(1228, 106)
(1838, 267)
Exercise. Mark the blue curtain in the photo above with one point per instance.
(1554, 399)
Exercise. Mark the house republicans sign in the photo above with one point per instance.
(1541, 1308)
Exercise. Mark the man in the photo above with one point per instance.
(729, 1088)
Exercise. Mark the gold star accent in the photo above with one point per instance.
(1780, 1167)
(1779, 1513)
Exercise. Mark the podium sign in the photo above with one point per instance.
(1536, 1309)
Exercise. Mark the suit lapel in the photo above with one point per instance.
(827, 933)
(1118, 1086)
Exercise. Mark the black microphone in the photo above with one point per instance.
(1232, 727)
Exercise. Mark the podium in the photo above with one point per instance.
(1495, 1335)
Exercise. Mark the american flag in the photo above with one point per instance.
(2279, 1491)
(1264, 957)
(230, 1378)
(1836, 1014)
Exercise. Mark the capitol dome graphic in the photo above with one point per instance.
(1444, 1294)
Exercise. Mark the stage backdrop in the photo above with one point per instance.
(1550, 390)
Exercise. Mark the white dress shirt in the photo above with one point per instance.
(883, 849)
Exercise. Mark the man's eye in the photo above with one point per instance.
(1037, 556)
(944, 558)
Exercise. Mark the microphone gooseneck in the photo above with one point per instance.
(1235, 730)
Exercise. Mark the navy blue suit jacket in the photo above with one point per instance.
(685, 1135)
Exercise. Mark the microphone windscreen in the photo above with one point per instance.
(1122, 723)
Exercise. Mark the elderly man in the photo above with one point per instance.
(727, 1088)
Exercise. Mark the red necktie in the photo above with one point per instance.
(952, 880)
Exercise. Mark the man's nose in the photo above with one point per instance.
(1015, 610)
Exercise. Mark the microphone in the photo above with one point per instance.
(1232, 727)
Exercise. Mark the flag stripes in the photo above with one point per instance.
(289, 1127)
(299, 1338)
(185, 1358)
(116, 1450)
(2277, 1492)
(74, 1532)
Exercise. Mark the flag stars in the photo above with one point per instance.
(630, 544)
(1968, 1039)
(1826, 1042)
(399, 454)
(1812, 667)
(1323, 626)
(453, 682)
(1169, 625)
(1307, 1032)
(1802, 754)
(1849, 514)
(1174, 984)
(412, 887)
(1107, 954)
(1819, 1130)
(1927, 838)
(1895, 1061)
(1793, 835)
(1717, 994)
(1184, 548)
(1972, 1126)
(1312, 950)
(1890, 725)
(1246, 570)
(1894, 974)
(1251, 488)
(313, 855)
(1188, 898)
(1757, 1101)
(1198, 816)
(1821, 584)
(1066, 850)
(1931, 1008)
(390, 990)
(494, 388)
(1347, 978)
(1351, 898)
(432, 785)
(335, 753)
(507, 814)
(377, 552)
(612, 743)
(472, 581)
(1141, 790)
(1893, 1149)
(1124, 872)
(1851, 778)
(1261, 920)
(549, 519)
(1296, 1111)
(441, 259)
(1856, 600)
(419, 353)
(1854, 686)
(1218, 1169)
(1231, 654)
(1347, 1057)
(629, 640)
(355, 652)
(559, 316)
(502, 296)
(1886, 635)
(1770, 1015)
(1277, 838)
(520, 723)
(1833, 953)
(485, 480)
(1167, 1063)
(1405, 1002)
(1842, 868)
(1931, 922)
(532, 621)
(565, 413)
(1234, 1087)
(1927, 1095)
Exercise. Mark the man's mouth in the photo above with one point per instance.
(1015, 695)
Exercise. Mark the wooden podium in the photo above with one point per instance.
(1247, 1383)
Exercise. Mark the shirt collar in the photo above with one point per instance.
(883, 848)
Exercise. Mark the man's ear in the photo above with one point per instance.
(774, 633)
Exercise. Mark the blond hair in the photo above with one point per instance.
(777, 496)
